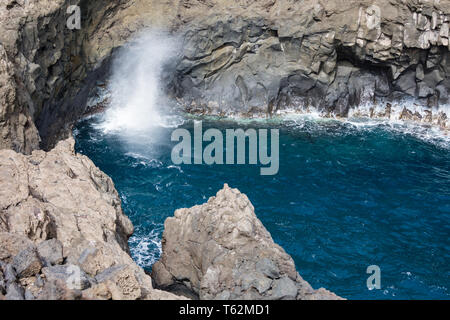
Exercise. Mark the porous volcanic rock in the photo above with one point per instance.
(220, 250)
(62, 230)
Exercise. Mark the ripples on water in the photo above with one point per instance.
(348, 195)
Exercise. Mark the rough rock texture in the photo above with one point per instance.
(240, 56)
(47, 70)
(62, 230)
(220, 250)
(263, 57)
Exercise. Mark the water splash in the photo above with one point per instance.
(137, 100)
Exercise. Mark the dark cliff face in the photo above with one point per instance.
(239, 57)
(48, 68)
(329, 56)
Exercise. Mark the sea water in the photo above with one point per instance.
(348, 195)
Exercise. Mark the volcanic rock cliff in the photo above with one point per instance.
(245, 57)
(390, 56)
(60, 215)
(63, 234)
(220, 250)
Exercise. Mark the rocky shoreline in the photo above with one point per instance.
(220, 250)
(61, 217)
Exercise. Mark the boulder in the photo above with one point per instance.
(27, 263)
(58, 290)
(121, 283)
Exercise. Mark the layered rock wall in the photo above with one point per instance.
(330, 56)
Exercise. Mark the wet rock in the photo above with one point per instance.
(28, 295)
(221, 250)
(293, 62)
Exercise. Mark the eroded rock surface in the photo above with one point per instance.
(63, 234)
(240, 57)
(220, 250)
(263, 57)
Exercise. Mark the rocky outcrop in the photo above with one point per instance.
(63, 234)
(263, 57)
(47, 70)
(220, 250)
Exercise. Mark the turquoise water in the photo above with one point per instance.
(346, 196)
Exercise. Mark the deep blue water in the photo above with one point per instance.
(345, 197)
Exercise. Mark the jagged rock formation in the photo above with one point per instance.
(63, 234)
(332, 56)
(60, 216)
(220, 250)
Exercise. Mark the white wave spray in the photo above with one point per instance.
(137, 101)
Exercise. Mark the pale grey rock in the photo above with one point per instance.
(221, 250)
(292, 61)
(40, 200)
(71, 275)
(28, 295)
(238, 58)
(9, 274)
(284, 289)
(2, 283)
(267, 267)
(58, 290)
(27, 263)
(14, 292)
(51, 252)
